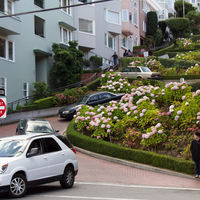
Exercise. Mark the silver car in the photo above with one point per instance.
(139, 72)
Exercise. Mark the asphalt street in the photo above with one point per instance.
(103, 180)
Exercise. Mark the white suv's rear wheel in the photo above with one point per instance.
(67, 180)
(18, 186)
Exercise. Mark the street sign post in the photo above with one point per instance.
(2, 107)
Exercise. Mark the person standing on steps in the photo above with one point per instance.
(115, 58)
(195, 150)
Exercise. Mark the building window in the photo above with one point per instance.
(144, 26)
(7, 6)
(193, 1)
(110, 41)
(3, 84)
(26, 90)
(135, 14)
(130, 18)
(136, 41)
(86, 26)
(112, 17)
(130, 43)
(39, 3)
(124, 42)
(125, 15)
(2, 48)
(66, 35)
(39, 26)
(6, 49)
(64, 3)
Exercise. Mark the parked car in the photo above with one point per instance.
(93, 99)
(26, 126)
(139, 72)
(34, 159)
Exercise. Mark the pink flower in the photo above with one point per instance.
(98, 137)
(168, 113)
(179, 112)
(160, 131)
(135, 112)
(183, 97)
(108, 131)
(87, 127)
(144, 110)
(141, 114)
(183, 87)
(159, 114)
(176, 118)
(108, 126)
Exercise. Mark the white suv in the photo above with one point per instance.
(28, 160)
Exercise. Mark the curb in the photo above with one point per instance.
(134, 164)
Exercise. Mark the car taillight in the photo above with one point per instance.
(73, 149)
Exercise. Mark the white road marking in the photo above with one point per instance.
(80, 197)
(138, 186)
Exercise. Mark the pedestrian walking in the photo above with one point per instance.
(195, 150)
(115, 58)
(125, 53)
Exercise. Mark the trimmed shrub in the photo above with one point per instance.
(44, 103)
(152, 23)
(41, 90)
(195, 38)
(178, 26)
(114, 150)
(96, 61)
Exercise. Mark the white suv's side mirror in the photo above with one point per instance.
(33, 152)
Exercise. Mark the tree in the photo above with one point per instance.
(178, 26)
(194, 18)
(179, 7)
(152, 23)
(68, 65)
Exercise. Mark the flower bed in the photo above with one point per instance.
(148, 117)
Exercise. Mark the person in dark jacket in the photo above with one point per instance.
(195, 150)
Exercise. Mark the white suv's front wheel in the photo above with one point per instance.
(18, 186)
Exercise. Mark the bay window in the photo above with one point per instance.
(86, 26)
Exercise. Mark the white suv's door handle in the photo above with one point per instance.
(63, 154)
(45, 158)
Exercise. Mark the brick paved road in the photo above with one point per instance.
(95, 170)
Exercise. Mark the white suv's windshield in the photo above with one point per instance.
(12, 148)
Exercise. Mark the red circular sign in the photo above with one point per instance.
(2, 107)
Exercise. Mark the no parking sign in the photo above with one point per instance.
(2, 107)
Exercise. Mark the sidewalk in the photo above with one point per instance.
(14, 117)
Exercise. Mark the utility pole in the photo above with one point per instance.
(183, 8)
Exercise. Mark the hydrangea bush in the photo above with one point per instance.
(146, 117)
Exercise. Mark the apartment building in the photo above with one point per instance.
(26, 41)
(98, 29)
(130, 35)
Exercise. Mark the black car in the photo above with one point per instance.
(26, 126)
(89, 99)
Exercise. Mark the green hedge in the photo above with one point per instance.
(195, 38)
(187, 77)
(44, 103)
(164, 61)
(114, 150)
(163, 51)
(92, 71)
(177, 63)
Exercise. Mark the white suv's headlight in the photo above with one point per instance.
(3, 168)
